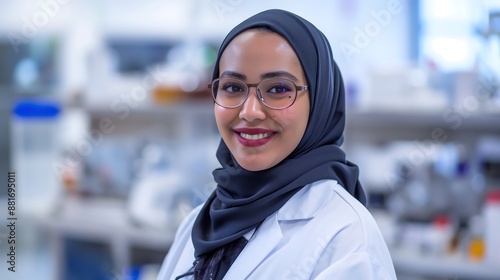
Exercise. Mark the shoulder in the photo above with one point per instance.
(353, 216)
(181, 254)
(326, 199)
(183, 234)
(349, 222)
(340, 230)
(187, 223)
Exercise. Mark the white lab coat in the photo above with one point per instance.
(322, 232)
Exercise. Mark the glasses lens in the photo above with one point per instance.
(278, 94)
(228, 92)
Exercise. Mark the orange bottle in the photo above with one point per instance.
(476, 248)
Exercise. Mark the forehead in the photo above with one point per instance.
(260, 35)
(259, 49)
(258, 40)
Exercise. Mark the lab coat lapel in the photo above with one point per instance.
(304, 205)
(257, 250)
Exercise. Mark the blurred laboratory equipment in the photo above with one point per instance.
(404, 87)
(159, 195)
(475, 243)
(107, 169)
(490, 56)
(35, 149)
(443, 183)
(160, 200)
(492, 227)
(438, 236)
(171, 179)
(149, 72)
(487, 161)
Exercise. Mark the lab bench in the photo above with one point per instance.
(105, 221)
(457, 267)
(102, 221)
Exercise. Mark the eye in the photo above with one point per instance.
(232, 87)
(279, 88)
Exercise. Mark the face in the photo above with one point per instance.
(260, 137)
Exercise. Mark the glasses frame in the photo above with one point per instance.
(257, 92)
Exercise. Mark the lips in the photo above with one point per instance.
(253, 137)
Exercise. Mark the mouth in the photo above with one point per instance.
(253, 137)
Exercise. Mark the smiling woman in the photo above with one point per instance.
(288, 205)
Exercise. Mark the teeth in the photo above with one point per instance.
(255, 136)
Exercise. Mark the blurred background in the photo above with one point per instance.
(107, 128)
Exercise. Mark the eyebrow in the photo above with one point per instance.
(269, 75)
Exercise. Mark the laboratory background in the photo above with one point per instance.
(108, 139)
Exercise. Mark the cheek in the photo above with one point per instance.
(224, 118)
(221, 115)
(294, 121)
(219, 118)
(290, 120)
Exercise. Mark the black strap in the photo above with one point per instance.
(226, 256)
(232, 252)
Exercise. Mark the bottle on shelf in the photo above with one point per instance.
(492, 227)
(475, 248)
(439, 236)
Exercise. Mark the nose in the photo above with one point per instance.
(252, 109)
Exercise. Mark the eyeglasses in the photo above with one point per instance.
(274, 93)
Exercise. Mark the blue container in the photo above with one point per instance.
(35, 151)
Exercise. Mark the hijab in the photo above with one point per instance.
(243, 199)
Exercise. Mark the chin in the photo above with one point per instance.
(250, 167)
(255, 166)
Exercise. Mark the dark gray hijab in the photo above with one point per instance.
(243, 199)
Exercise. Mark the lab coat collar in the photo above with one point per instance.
(307, 202)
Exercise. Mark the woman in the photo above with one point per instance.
(287, 205)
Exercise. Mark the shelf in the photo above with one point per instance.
(197, 107)
(383, 126)
(484, 121)
(453, 120)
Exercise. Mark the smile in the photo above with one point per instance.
(255, 136)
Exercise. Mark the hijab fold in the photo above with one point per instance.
(243, 199)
